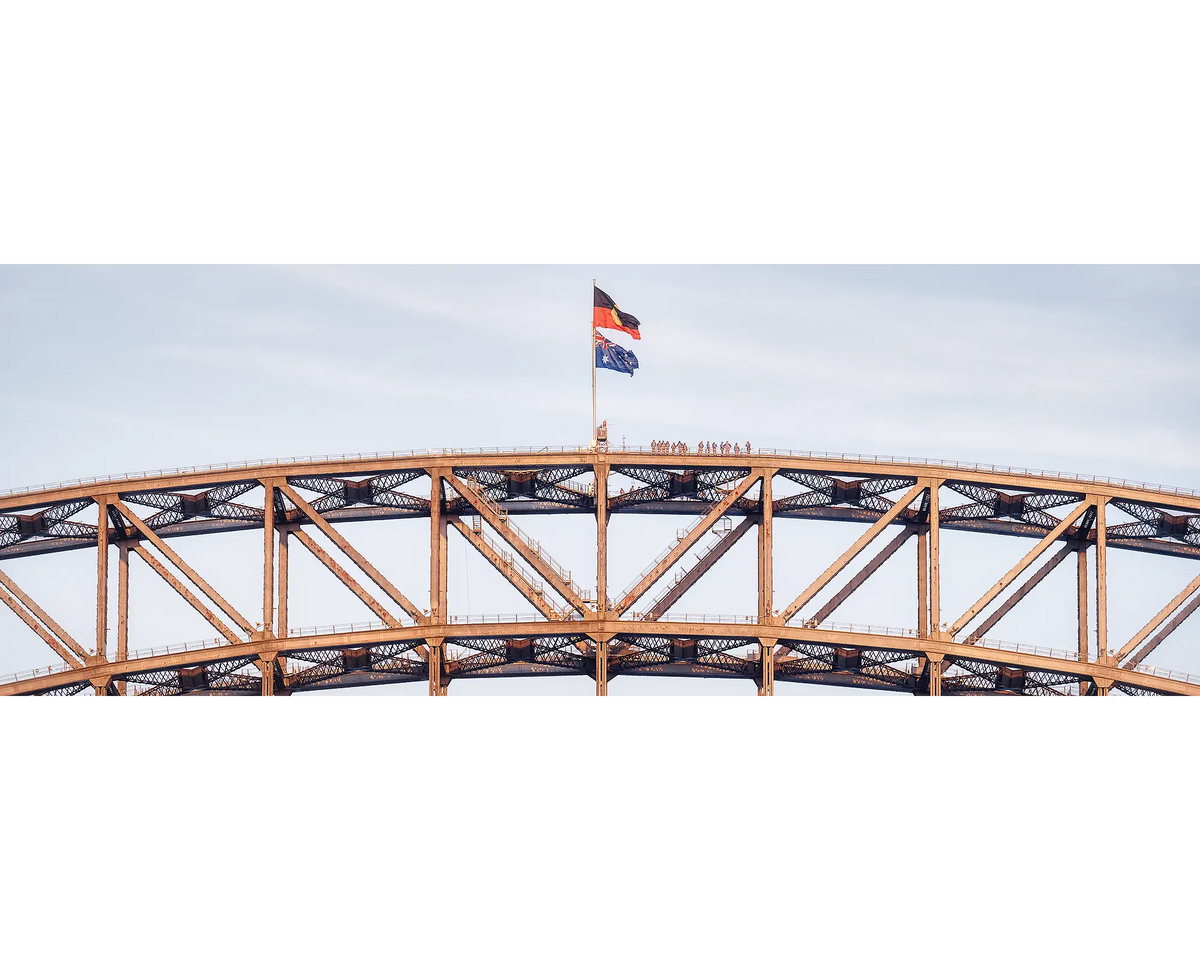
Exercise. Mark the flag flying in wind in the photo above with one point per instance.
(610, 356)
(606, 314)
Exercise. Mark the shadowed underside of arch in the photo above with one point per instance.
(590, 630)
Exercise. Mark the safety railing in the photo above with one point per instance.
(1029, 648)
(1165, 674)
(869, 628)
(335, 628)
(143, 653)
(37, 672)
(368, 626)
(723, 528)
(185, 647)
(1057, 654)
(505, 555)
(498, 451)
(499, 515)
(976, 466)
(680, 536)
(732, 618)
(583, 489)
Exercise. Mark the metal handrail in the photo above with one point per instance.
(485, 451)
(662, 556)
(719, 532)
(536, 583)
(500, 515)
(718, 618)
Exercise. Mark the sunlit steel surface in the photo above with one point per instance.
(590, 630)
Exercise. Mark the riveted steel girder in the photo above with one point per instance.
(1060, 513)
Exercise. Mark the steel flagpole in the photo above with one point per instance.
(592, 355)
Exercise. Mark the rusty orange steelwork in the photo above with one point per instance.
(579, 630)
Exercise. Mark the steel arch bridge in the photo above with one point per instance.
(587, 630)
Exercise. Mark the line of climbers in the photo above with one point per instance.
(706, 447)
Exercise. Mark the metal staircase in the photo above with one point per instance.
(497, 516)
(720, 530)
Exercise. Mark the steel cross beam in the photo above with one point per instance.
(268, 584)
(181, 566)
(690, 578)
(1141, 654)
(600, 488)
(700, 529)
(102, 583)
(1043, 545)
(766, 550)
(485, 508)
(1009, 499)
(624, 633)
(866, 572)
(1022, 592)
(506, 570)
(283, 579)
(359, 560)
(439, 557)
(859, 545)
(353, 585)
(380, 491)
(214, 502)
(48, 638)
(1157, 620)
(187, 594)
(61, 637)
(122, 606)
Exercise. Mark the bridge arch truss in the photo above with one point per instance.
(593, 631)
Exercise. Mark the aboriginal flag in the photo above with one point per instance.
(610, 356)
(605, 313)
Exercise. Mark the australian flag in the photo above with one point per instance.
(610, 356)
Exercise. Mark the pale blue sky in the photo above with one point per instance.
(1088, 369)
